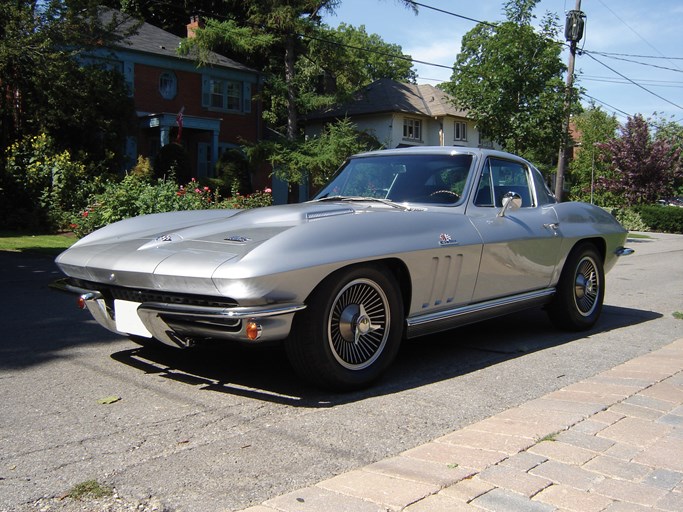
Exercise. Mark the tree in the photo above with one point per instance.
(271, 35)
(593, 126)
(644, 168)
(340, 61)
(44, 86)
(317, 158)
(509, 79)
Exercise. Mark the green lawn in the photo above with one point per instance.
(28, 242)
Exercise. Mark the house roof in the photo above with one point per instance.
(386, 95)
(153, 40)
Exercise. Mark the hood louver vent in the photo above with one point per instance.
(328, 213)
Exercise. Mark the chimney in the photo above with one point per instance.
(194, 24)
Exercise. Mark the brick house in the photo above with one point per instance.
(213, 106)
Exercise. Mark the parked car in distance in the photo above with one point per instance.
(399, 244)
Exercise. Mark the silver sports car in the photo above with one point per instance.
(399, 244)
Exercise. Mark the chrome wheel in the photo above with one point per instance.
(357, 324)
(580, 290)
(586, 286)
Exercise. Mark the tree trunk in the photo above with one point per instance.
(291, 93)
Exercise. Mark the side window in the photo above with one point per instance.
(499, 178)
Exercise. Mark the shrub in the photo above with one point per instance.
(134, 196)
(662, 219)
(630, 219)
(232, 171)
(172, 159)
(42, 186)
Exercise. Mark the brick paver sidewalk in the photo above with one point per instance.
(613, 442)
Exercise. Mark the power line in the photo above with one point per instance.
(606, 104)
(677, 70)
(487, 23)
(642, 81)
(610, 54)
(631, 81)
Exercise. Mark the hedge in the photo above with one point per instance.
(662, 219)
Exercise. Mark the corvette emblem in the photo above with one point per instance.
(445, 239)
(237, 239)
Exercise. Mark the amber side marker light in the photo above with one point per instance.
(253, 330)
(81, 301)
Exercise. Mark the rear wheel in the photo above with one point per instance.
(578, 301)
(350, 331)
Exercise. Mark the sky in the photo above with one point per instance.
(638, 30)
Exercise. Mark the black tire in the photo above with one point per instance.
(350, 331)
(580, 291)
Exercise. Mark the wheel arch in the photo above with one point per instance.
(598, 242)
(399, 272)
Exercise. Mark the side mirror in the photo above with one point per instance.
(511, 201)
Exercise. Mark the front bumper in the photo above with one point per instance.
(180, 325)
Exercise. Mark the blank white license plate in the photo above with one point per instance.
(127, 319)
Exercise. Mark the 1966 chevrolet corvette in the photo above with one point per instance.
(399, 244)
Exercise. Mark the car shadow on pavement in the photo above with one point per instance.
(263, 373)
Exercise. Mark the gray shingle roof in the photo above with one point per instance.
(387, 95)
(153, 40)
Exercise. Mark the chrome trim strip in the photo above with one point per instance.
(233, 313)
(479, 308)
(63, 286)
(624, 251)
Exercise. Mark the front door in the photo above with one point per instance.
(520, 248)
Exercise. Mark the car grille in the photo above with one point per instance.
(142, 295)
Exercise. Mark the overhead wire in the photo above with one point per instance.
(589, 53)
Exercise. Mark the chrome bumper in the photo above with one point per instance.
(178, 325)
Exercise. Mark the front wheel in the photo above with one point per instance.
(578, 301)
(350, 331)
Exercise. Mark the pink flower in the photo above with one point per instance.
(207, 189)
(267, 190)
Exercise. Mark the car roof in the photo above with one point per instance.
(439, 150)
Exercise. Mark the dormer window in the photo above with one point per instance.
(168, 85)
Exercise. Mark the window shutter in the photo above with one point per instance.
(206, 91)
(247, 97)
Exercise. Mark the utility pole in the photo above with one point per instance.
(573, 32)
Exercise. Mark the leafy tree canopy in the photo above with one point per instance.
(644, 168)
(508, 76)
(593, 126)
(319, 157)
(46, 88)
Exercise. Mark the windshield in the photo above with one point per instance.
(439, 179)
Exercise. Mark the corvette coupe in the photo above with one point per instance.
(399, 244)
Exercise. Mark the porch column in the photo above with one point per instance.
(164, 135)
(214, 153)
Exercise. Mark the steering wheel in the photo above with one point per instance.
(447, 192)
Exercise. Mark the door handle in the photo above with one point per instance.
(552, 226)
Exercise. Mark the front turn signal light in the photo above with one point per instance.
(253, 330)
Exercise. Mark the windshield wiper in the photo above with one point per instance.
(367, 199)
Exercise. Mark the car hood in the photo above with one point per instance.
(146, 251)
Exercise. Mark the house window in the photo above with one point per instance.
(168, 85)
(412, 129)
(460, 131)
(223, 94)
